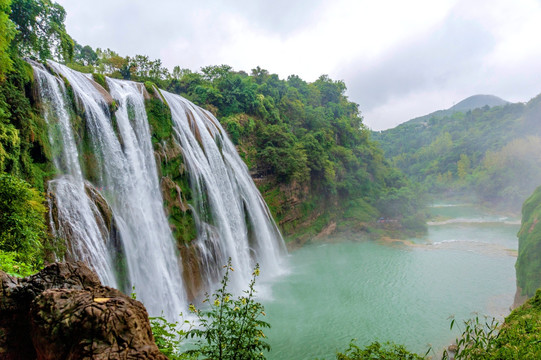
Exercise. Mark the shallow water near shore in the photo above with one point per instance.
(394, 291)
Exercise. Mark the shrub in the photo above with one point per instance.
(376, 350)
(478, 339)
(231, 328)
(168, 337)
(22, 222)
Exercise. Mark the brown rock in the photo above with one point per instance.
(101, 323)
(17, 295)
(63, 312)
(519, 299)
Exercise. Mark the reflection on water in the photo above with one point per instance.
(402, 291)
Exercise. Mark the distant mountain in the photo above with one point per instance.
(470, 103)
(478, 101)
(482, 145)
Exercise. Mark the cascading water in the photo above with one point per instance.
(128, 179)
(77, 217)
(232, 218)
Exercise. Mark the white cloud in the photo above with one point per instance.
(396, 57)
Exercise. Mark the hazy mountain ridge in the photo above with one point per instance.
(479, 150)
(470, 103)
(478, 101)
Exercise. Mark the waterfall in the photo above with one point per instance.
(111, 209)
(77, 216)
(127, 177)
(233, 219)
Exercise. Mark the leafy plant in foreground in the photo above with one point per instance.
(168, 337)
(376, 350)
(231, 329)
(478, 340)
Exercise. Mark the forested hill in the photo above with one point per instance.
(492, 152)
(470, 103)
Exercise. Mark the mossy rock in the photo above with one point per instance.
(160, 120)
(528, 265)
(100, 79)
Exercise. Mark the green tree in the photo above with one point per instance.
(376, 350)
(7, 33)
(463, 166)
(41, 32)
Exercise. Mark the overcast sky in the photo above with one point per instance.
(399, 59)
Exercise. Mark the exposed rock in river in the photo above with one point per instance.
(63, 312)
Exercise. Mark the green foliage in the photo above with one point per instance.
(287, 131)
(22, 222)
(12, 263)
(7, 33)
(477, 152)
(169, 337)
(159, 118)
(376, 350)
(84, 55)
(150, 87)
(231, 328)
(24, 144)
(519, 338)
(100, 79)
(40, 29)
(478, 339)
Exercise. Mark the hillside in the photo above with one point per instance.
(304, 143)
(479, 152)
(470, 103)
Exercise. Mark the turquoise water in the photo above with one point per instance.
(394, 291)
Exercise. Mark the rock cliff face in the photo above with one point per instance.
(64, 312)
(528, 264)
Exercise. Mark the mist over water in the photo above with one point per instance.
(397, 292)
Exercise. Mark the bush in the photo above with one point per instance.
(231, 329)
(477, 340)
(168, 337)
(519, 338)
(376, 350)
(9, 263)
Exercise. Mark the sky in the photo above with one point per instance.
(399, 59)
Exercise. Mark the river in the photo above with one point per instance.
(394, 291)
